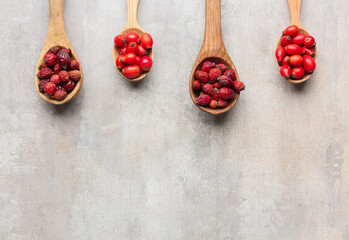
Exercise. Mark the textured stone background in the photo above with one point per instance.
(140, 161)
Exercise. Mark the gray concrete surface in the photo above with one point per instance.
(140, 161)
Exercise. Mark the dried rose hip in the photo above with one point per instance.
(45, 73)
(69, 86)
(64, 76)
(60, 94)
(42, 65)
(50, 59)
(74, 65)
(67, 50)
(55, 79)
(53, 50)
(57, 68)
(42, 84)
(75, 75)
(50, 88)
(63, 59)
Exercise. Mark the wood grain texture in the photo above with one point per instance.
(295, 7)
(57, 36)
(132, 26)
(212, 49)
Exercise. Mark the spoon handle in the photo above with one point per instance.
(132, 6)
(56, 30)
(213, 40)
(295, 7)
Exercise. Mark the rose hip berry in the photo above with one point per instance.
(69, 86)
(296, 54)
(50, 59)
(58, 73)
(133, 51)
(217, 89)
(50, 88)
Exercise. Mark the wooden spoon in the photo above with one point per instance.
(56, 36)
(295, 7)
(213, 50)
(132, 26)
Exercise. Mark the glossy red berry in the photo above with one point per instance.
(146, 63)
(196, 85)
(69, 86)
(146, 40)
(132, 37)
(120, 41)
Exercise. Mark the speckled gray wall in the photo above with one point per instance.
(140, 161)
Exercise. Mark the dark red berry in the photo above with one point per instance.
(69, 86)
(57, 68)
(50, 88)
(50, 59)
(74, 65)
(53, 50)
(60, 94)
(45, 73)
(55, 79)
(42, 84)
(63, 59)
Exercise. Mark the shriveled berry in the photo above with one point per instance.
(67, 50)
(69, 86)
(201, 76)
(208, 89)
(215, 95)
(204, 100)
(222, 103)
(222, 67)
(50, 88)
(45, 73)
(74, 65)
(231, 74)
(50, 59)
(75, 75)
(238, 86)
(206, 66)
(225, 81)
(53, 50)
(63, 59)
(57, 68)
(216, 85)
(64, 76)
(42, 65)
(214, 74)
(60, 94)
(196, 85)
(226, 93)
(42, 84)
(55, 79)
(59, 88)
(213, 104)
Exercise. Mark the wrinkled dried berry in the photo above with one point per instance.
(53, 50)
(60, 94)
(231, 74)
(50, 59)
(64, 76)
(50, 88)
(42, 84)
(57, 68)
(67, 50)
(69, 86)
(42, 65)
(225, 81)
(196, 85)
(208, 89)
(55, 79)
(226, 93)
(63, 59)
(206, 67)
(75, 75)
(222, 67)
(74, 65)
(201, 76)
(214, 74)
(45, 73)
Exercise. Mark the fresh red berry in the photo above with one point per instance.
(204, 100)
(64, 76)
(285, 40)
(50, 88)
(146, 63)
(123, 51)
(60, 94)
(45, 73)
(309, 41)
(196, 85)
(201, 76)
(69, 86)
(131, 71)
(299, 39)
(285, 71)
(238, 86)
(226, 93)
(74, 65)
(297, 72)
(206, 66)
(132, 37)
(120, 41)
(214, 74)
(55, 79)
(309, 51)
(120, 65)
(291, 30)
(141, 51)
(280, 53)
(146, 41)
(129, 58)
(50, 59)
(131, 48)
(309, 64)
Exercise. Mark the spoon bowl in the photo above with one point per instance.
(132, 26)
(213, 50)
(56, 36)
(294, 6)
